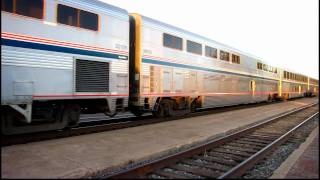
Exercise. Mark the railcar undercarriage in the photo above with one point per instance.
(50, 115)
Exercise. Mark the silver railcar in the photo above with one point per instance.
(60, 56)
(63, 57)
(180, 70)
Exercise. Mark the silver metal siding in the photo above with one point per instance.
(35, 58)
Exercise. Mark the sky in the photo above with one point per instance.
(283, 33)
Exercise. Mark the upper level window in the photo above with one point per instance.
(211, 52)
(235, 59)
(30, 8)
(194, 47)
(172, 41)
(224, 55)
(266, 67)
(76, 17)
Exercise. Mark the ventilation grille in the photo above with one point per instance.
(92, 76)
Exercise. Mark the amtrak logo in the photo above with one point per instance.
(123, 57)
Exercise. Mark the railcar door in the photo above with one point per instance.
(252, 87)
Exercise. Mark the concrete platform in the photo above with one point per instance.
(303, 163)
(80, 156)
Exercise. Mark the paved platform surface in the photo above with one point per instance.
(80, 156)
(303, 163)
(307, 166)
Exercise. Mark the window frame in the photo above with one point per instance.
(205, 52)
(31, 17)
(224, 52)
(78, 18)
(163, 44)
(196, 44)
(259, 65)
(236, 60)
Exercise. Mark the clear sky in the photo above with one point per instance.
(283, 33)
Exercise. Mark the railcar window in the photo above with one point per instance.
(88, 20)
(224, 55)
(268, 68)
(28, 8)
(194, 47)
(259, 65)
(7, 5)
(76, 17)
(172, 41)
(211, 52)
(67, 15)
(235, 59)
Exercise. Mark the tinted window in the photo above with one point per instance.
(211, 52)
(32, 8)
(194, 47)
(259, 65)
(7, 5)
(172, 41)
(224, 55)
(67, 15)
(76, 17)
(29, 8)
(88, 20)
(235, 59)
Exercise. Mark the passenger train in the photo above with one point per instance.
(61, 58)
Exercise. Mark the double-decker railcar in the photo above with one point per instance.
(61, 56)
(313, 87)
(178, 70)
(294, 85)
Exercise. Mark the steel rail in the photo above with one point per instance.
(241, 168)
(141, 170)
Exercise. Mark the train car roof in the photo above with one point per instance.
(100, 6)
(183, 31)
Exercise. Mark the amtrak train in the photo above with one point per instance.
(61, 58)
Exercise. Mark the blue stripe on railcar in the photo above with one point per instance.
(15, 43)
(31, 45)
(151, 61)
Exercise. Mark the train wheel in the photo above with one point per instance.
(11, 123)
(137, 113)
(71, 114)
(110, 114)
(193, 107)
(6, 122)
(165, 108)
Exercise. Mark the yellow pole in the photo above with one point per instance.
(138, 56)
(280, 82)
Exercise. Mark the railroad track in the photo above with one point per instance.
(226, 157)
(100, 123)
